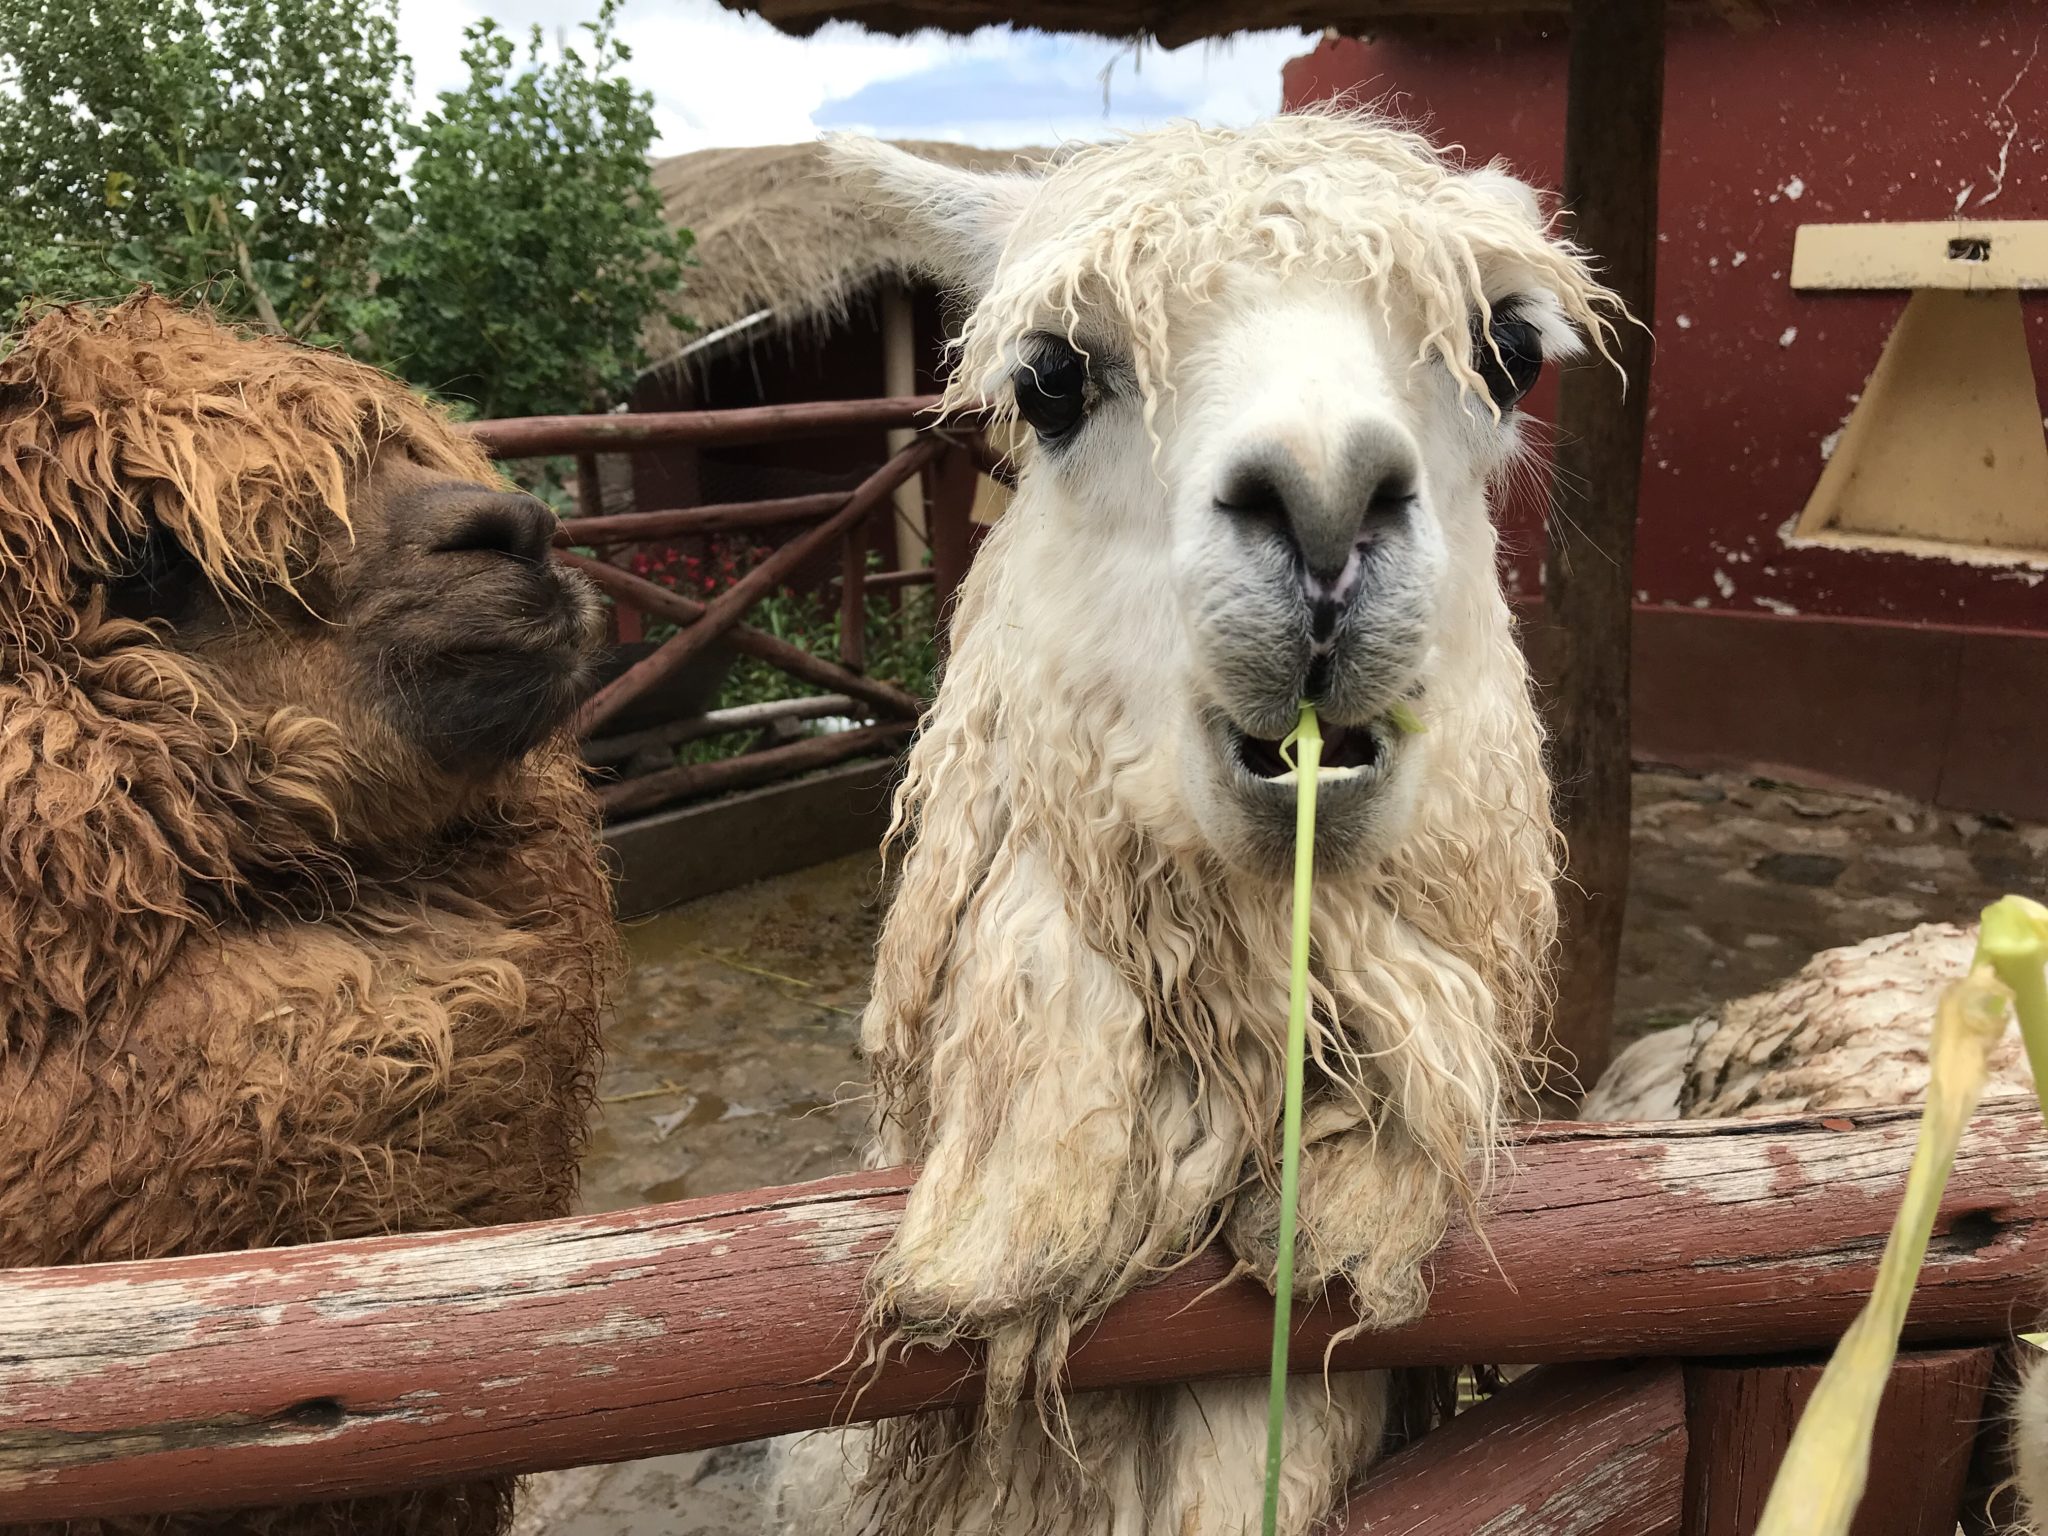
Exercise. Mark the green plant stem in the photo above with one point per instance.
(1821, 1480)
(1307, 742)
(2013, 940)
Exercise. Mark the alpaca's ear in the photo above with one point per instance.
(1497, 183)
(957, 221)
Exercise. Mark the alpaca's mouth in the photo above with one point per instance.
(1348, 751)
(1249, 794)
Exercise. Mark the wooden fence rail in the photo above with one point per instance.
(358, 1367)
(534, 437)
(793, 659)
(803, 528)
(1569, 1450)
(683, 522)
(731, 605)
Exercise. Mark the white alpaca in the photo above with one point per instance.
(1270, 375)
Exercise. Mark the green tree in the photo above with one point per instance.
(244, 148)
(536, 249)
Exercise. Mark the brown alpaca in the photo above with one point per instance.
(302, 929)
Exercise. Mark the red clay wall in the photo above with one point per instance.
(1834, 112)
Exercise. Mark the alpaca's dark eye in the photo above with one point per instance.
(1510, 365)
(1052, 387)
(161, 581)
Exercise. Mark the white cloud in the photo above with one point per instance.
(430, 33)
(722, 78)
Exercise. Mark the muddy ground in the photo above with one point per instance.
(732, 1062)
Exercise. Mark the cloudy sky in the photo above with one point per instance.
(720, 78)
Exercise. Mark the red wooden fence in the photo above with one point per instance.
(947, 460)
(365, 1366)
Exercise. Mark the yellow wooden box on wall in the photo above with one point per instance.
(1945, 454)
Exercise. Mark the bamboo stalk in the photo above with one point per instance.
(716, 722)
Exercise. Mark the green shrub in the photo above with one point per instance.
(245, 150)
(536, 249)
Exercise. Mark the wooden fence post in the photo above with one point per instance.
(641, 593)
(1990, 1499)
(589, 486)
(1586, 1450)
(951, 527)
(731, 605)
(853, 601)
(1613, 132)
(1740, 1417)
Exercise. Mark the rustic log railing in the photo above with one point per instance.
(809, 526)
(366, 1366)
(538, 437)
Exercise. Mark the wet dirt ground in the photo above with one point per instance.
(732, 1059)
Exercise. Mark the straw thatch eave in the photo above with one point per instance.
(1172, 23)
(781, 244)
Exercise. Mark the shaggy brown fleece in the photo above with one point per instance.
(275, 967)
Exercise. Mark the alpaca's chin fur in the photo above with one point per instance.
(2030, 1442)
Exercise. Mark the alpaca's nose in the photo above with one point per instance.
(1330, 503)
(501, 523)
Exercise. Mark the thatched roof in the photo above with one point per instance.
(776, 232)
(1174, 22)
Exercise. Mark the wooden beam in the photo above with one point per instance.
(1568, 1450)
(999, 469)
(589, 486)
(899, 377)
(360, 1367)
(719, 517)
(744, 638)
(1957, 255)
(1990, 1494)
(1741, 1416)
(649, 791)
(853, 602)
(952, 530)
(883, 581)
(1613, 133)
(673, 856)
(532, 437)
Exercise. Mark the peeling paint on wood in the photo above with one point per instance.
(1741, 1417)
(1586, 1450)
(299, 1373)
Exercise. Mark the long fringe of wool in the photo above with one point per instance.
(1078, 1014)
(256, 987)
(1157, 988)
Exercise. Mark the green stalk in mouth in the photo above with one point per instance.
(1306, 744)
